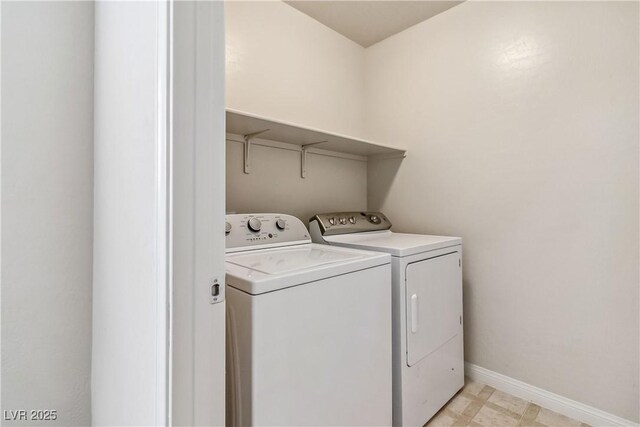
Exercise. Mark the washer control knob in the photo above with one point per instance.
(280, 224)
(227, 228)
(332, 221)
(374, 219)
(352, 219)
(254, 224)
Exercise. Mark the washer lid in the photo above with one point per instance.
(396, 244)
(266, 270)
(290, 259)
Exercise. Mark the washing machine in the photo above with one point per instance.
(308, 328)
(428, 359)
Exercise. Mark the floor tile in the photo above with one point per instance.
(472, 388)
(530, 423)
(553, 419)
(472, 409)
(531, 412)
(459, 403)
(441, 420)
(479, 405)
(461, 422)
(489, 417)
(503, 410)
(486, 392)
(507, 401)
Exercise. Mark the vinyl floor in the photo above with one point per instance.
(479, 405)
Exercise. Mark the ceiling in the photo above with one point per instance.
(368, 22)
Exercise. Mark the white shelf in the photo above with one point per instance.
(241, 123)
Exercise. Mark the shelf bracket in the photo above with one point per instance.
(247, 149)
(303, 157)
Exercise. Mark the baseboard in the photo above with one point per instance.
(554, 402)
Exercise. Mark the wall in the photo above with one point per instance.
(283, 64)
(521, 123)
(129, 338)
(47, 183)
(274, 184)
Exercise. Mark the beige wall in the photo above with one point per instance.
(47, 208)
(521, 122)
(275, 185)
(285, 65)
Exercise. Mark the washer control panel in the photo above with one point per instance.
(255, 231)
(350, 222)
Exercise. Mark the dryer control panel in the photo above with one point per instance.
(259, 231)
(350, 222)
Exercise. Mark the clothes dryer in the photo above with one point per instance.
(428, 359)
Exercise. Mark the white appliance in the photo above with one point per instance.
(309, 328)
(428, 359)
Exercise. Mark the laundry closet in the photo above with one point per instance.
(488, 121)
(355, 153)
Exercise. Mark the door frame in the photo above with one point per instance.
(197, 207)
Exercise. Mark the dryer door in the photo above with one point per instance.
(434, 304)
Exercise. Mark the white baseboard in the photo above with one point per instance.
(554, 402)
